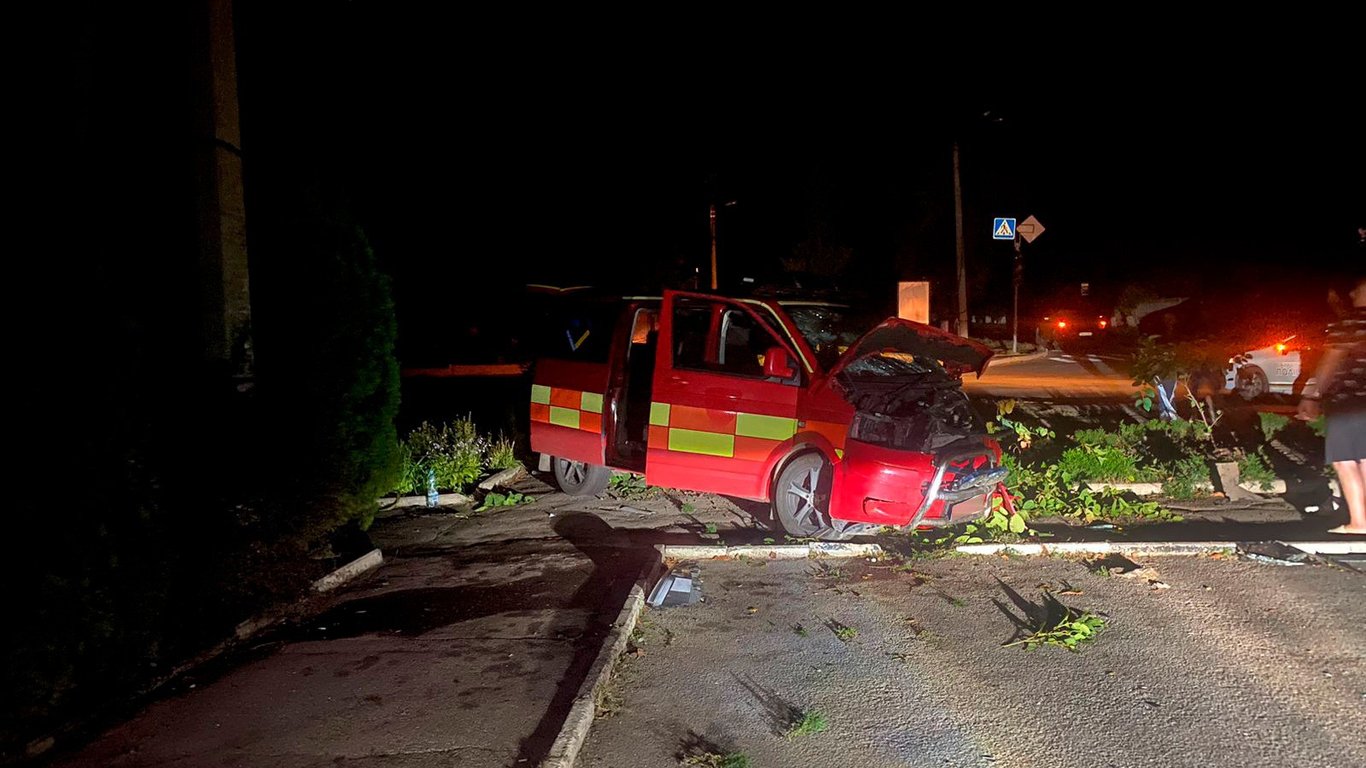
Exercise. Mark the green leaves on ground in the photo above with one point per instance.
(1070, 631)
(628, 486)
(510, 499)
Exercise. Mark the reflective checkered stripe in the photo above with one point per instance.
(570, 408)
(727, 434)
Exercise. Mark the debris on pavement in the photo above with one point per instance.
(505, 478)
(678, 587)
(1273, 553)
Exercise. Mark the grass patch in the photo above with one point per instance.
(810, 722)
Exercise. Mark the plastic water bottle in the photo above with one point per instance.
(431, 487)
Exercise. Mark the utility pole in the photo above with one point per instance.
(1018, 276)
(958, 232)
(222, 217)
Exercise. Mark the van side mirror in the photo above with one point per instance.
(777, 364)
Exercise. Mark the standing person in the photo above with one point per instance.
(1341, 392)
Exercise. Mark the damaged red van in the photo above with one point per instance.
(842, 429)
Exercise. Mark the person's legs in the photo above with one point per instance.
(1352, 479)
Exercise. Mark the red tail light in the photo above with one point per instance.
(1062, 324)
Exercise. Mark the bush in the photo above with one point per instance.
(1186, 478)
(1272, 423)
(503, 454)
(1099, 438)
(453, 452)
(1102, 464)
(1254, 470)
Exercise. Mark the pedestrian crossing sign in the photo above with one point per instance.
(1003, 229)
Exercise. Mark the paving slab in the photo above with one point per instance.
(467, 659)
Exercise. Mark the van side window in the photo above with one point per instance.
(578, 331)
(691, 327)
(719, 337)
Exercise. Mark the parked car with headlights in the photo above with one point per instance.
(1282, 368)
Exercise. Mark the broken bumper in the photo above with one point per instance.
(895, 488)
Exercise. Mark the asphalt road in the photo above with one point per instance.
(1228, 663)
(1059, 376)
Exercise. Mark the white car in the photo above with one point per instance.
(1273, 369)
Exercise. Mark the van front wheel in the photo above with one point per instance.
(578, 478)
(801, 499)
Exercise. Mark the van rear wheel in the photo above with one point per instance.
(801, 499)
(578, 478)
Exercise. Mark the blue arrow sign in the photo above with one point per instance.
(1002, 229)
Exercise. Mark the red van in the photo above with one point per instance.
(841, 428)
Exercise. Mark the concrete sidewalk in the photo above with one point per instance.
(465, 648)
(464, 660)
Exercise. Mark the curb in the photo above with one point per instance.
(1103, 548)
(366, 562)
(1025, 358)
(243, 632)
(1169, 548)
(1329, 547)
(565, 749)
(1152, 489)
(816, 549)
(407, 502)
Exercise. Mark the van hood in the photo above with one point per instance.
(957, 354)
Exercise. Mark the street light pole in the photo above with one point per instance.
(958, 232)
(713, 246)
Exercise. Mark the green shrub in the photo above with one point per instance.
(1272, 423)
(1186, 478)
(333, 368)
(1254, 470)
(453, 452)
(1099, 438)
(1102, 464)
(503, 454)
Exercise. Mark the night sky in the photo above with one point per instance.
(474, 150)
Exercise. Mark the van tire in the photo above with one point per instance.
(578, 478)
(801, 499)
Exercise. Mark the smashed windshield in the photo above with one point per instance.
(895, 364)
(828, 329)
